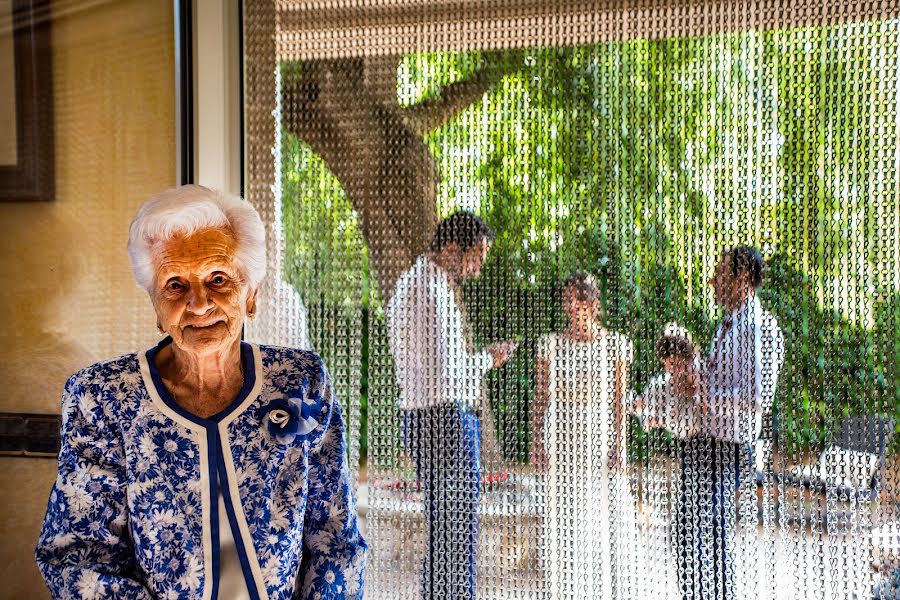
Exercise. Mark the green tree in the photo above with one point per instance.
(640, 161)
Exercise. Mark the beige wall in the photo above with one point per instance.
(69, 298)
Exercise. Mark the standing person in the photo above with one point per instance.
(440, 386)
(578, 440)
(738, 385)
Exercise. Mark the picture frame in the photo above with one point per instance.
(27, 169)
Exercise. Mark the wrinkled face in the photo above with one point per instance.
(472, 260)
(199, 295)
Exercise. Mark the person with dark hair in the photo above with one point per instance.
(440, 379)
(737, 387)
(747, 262)
(463, 229)
(578, 444)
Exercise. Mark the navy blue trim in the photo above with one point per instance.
(232, 520)
(249, 382)
(218, 477)
(212, 444)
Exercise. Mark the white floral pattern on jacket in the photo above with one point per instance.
(131, 516)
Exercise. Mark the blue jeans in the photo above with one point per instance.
(710, 473)
(444, 442)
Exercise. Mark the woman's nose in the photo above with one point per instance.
(198, 300)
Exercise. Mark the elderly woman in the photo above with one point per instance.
(204, 467)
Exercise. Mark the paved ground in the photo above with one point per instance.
(782, 560)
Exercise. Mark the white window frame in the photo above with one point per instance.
(210, 120)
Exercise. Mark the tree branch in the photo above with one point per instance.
(428, 115)
(380, 78)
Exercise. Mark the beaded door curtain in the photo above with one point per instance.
(610, 291)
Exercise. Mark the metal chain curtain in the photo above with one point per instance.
(634, 142)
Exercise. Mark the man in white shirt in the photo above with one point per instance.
(738, 387)
(440, 384)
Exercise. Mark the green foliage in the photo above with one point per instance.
(832, 368)
(640, 161)
(326, 261)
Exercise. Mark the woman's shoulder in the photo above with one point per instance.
(657, 393)
(621, 344)
(551, 336)
(125, 367)
(546, 344)
(285, 350)
(107, 389)
(304, 362)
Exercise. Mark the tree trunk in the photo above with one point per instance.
(347, 111)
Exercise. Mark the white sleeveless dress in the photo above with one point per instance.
(592, 548)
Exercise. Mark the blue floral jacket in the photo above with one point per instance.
(134, 510)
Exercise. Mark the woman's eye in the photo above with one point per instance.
(218, 279)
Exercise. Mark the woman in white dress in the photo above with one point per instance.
(592, 550)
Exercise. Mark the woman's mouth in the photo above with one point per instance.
(202, 325)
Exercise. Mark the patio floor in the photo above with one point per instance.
(786, 559)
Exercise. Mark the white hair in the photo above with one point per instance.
(186, 210)
(675, 330)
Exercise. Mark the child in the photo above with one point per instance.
(663, 402)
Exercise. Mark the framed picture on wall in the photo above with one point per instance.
(26, 101)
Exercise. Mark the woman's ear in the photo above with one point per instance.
(251, 304)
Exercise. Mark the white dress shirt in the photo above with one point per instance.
(747, 353)
(427, 341)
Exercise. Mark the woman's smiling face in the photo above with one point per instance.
(200, 295)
